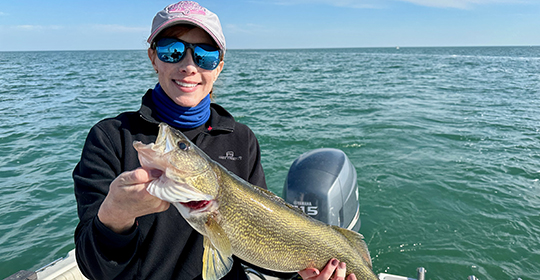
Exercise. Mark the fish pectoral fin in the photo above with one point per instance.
(357, 241)
(218, 237)
(215, 264)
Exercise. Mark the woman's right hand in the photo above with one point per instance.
(128, 199)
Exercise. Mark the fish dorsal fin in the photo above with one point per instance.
(270, 195)
(357, 242)
(217, 256)
(275, 198)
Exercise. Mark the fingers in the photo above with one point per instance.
(128, 199)
(130, 186)
(334, 270)
(329, 269)
(340, 272)
(138, 176)
(309, 273)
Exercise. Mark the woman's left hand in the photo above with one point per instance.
(334, 270)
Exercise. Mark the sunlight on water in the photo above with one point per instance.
(445, 142)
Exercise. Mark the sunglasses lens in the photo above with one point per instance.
(170, 50)
(207, 57)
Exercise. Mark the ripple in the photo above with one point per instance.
(445, 143)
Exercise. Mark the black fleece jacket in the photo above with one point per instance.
(163, 245)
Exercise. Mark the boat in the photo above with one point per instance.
(321, 182)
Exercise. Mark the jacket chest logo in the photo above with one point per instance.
(229, 155)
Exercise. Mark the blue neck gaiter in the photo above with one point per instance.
(178, 116)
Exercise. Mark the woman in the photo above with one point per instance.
(124, 232)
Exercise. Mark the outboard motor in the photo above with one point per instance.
(323, 184)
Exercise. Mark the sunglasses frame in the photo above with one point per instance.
(193, 48)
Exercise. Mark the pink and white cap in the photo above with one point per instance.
(188, 12)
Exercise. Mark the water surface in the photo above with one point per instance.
(445, 141)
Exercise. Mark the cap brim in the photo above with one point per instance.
(176, 21)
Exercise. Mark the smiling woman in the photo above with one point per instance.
(121, 224)
(124, 232)
(182, 74)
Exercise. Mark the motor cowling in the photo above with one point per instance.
(323, 183)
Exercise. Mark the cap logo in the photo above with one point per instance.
(187, 8)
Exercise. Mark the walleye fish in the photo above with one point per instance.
(238, 218)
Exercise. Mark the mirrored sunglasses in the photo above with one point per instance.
(172, 50)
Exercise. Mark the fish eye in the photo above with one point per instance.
(183, 146)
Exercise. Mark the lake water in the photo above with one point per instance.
(445, 141)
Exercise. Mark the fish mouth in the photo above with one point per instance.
(196, 205)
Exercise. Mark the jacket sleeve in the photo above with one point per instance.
(256, 176)
(100, 252)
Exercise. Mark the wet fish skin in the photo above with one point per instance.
(238, 218)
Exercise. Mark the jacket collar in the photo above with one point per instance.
(220, 119)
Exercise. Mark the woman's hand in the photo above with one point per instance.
(128, 199)
(334, 270)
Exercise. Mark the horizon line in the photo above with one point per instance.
(290, 48)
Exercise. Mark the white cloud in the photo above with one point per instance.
(115, 28)
(362, 4)
(109, 28)
(30, 27)
(249, 28)
(74, 37)
(461, 4)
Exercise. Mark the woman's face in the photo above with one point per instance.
(185, 82)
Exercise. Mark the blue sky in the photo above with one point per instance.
(268, 24)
